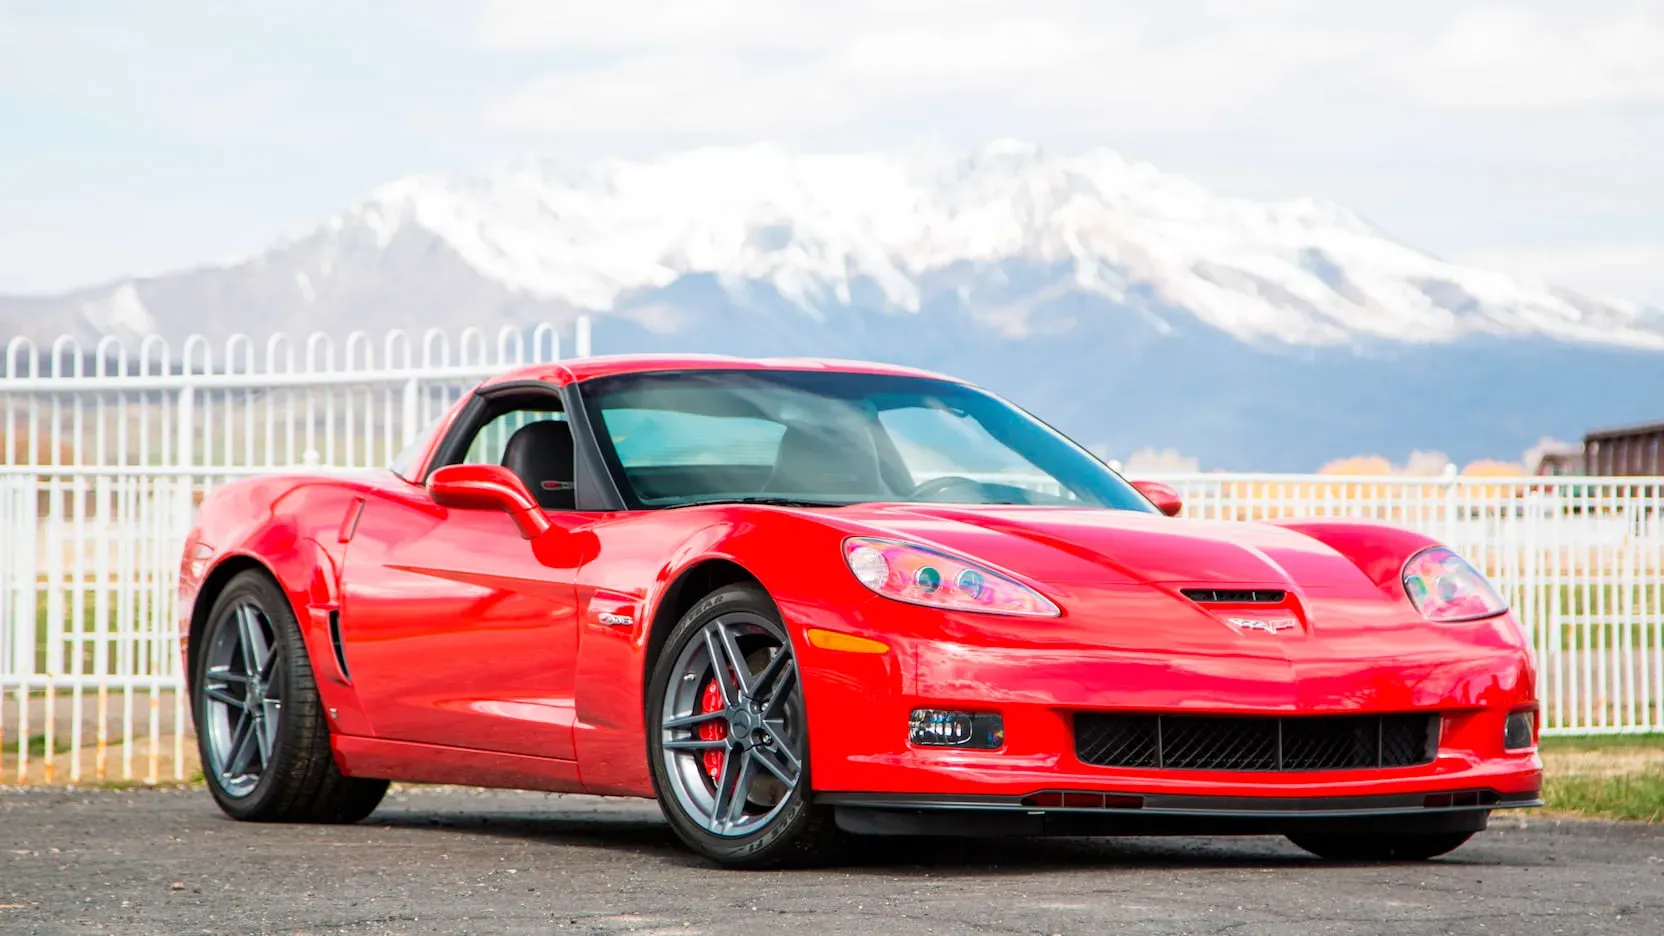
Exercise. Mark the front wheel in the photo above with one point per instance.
(727, 736)
(259, 723)
(1407, 846)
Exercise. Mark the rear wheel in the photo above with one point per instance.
(1408, 846)
(260, 726)
(727, 736)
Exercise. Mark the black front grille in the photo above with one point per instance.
(1206, 742)
(1233, 595)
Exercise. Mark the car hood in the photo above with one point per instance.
(1066, 546)
(1123, 580)
(1124, 583)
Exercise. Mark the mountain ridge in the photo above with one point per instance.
(1056, 279)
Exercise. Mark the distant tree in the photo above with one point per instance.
(1357, 465)
(1491, 468)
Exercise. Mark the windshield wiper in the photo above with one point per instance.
(766, 499)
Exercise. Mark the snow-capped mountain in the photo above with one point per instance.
(818, 229)
(1048, 276)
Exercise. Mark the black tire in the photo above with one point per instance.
(298, 779)
(799, 833)
(1408, 846)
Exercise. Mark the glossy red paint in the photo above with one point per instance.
(581, 369)
(456, 630)
(489, 487)
(484, 651)
(1163, 496)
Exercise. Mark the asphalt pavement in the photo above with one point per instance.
(443, 860)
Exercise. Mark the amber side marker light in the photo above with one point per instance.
(847, 643)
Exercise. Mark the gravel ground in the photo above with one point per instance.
(439, 860)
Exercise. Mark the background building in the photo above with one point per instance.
(1625, 450)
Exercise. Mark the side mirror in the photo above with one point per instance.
(488, 487)
(1165, 498)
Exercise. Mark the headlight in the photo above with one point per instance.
(917, 575)
(1445, 588)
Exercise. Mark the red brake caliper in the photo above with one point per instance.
(714, 730)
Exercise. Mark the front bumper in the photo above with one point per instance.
(861, 760)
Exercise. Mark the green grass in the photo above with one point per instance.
(1635, 796)
(1577, 743)
(37, 746)
(1606, 777)
(145, 605)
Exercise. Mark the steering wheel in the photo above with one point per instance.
(938, 486)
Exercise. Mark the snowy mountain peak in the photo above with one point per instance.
(823, 229)
(1132, 308)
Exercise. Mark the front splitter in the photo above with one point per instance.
(1048, 813)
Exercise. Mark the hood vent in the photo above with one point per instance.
(1233, 595)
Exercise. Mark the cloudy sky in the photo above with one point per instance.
(141, 137)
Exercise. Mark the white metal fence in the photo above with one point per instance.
(108, 450)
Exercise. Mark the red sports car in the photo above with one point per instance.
(800, 601)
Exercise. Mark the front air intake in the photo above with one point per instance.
(1208, 742)
(1234, 595)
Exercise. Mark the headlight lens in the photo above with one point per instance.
(922, 576)
(1445, 588)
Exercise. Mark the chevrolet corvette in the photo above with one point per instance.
(803, 602)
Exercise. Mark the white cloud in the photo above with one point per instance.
(1449, 122)
(737, 67)
(1632, 271)
(673, 96)
(643, 24)
(1520, 59)
(1032, 67)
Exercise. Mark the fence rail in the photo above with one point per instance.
(107, 453)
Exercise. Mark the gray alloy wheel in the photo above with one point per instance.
(243, 686)
(261, 728)
(728, 737)
(749, 731)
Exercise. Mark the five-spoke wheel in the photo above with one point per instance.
(243, 683)
(729, 741)
(260, 724)
(731, 751)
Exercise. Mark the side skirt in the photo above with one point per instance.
(410, 762)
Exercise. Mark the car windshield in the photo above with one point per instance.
(819, 438)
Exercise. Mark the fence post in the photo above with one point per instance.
(1451, 498)
(184, 453)
(183, 512)
(580, 340)
(19, 576)
(412, 409)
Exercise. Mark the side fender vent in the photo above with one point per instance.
(335, 643)
(1234, 595)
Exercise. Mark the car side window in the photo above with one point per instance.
(536, 444)
(491, 442)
